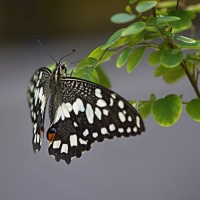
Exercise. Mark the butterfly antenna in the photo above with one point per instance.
(44, 48)
(68, 54)
(76, 61)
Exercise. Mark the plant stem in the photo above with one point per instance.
(192, 81)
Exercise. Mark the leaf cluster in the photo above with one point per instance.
(148, 20)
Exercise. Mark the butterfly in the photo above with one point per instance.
(80, 112)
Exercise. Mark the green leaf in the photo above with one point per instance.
(123, 57)
(195, 45)
(173, 75)
(171, 58)
(98, 52)
(167, 111)
(154, 21)
(184, 21)
(103, 78)
(195, 8)
(116, 36)
(132, 1)
(145, 5)
(184, 39)
(160, 70)
(193, 109)
(51, 66)
(122, 18)
(150, 36)
(86, 70)
(167, 4)
(154, 58)
(134, 28)
(191, 14)
(145, 107)
(120, 43)
(168, 34)
(193, 58)
(134, 59)
(128, 9)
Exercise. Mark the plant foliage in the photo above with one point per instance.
(153, 19)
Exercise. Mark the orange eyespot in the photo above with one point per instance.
(50, 136)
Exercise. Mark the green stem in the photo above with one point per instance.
(192, 81)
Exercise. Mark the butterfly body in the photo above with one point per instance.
(80, 113)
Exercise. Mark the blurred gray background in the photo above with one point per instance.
(162, 164)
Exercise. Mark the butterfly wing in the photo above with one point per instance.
(37, 94)
(85, 113)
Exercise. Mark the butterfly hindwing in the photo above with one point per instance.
(37, 94)
(82, 112)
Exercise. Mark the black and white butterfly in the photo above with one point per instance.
(80, 112)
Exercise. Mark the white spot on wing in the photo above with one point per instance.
(121, 117)
(58, 114)
(128, 130)
(75, 124)
(82, 141)
(138, 121)
(111, 127)
(104, 131)
(105, 112)
(111, 102)
(75, 108)
(35, 139)
(80, 105)
(113, 95)
(121, 104)
(129, 118)
(120, 130)
(101, 103)
(95, 135)
(73, 140)
(98, 113)
(56, 144)
(64, 148)
(98, 93)
(89, 113)
(135, 129)
(85, 132)
(34, 127)
(40, 76)
(38, 138)
(69, 106)
(65, 110)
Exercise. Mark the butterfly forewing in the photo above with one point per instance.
(37, 94)
(83, 112)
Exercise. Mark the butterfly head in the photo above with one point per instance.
(60, 70)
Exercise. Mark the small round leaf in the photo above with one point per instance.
(116, 36)
(123, 57)
(184, 39)
(160, 70)
(145, 107)
(173, 75)
(184, 21)
(193, 109)
(193, 58)
(153, 58)
(134, 28)
(171, 58)
(85, 70)
(134, 59)
(145, 5)
(167, 111)
(122, 18)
